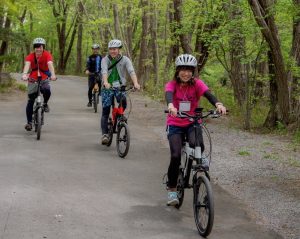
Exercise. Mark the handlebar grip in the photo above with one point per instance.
(166, 111)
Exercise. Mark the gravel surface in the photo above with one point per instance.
(261, 170)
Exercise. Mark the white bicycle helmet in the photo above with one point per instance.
(115, 44)
(39, 40)
(95, 46)
(186, 60)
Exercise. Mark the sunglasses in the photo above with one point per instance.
(37, 45)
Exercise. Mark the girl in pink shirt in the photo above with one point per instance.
(183, 93)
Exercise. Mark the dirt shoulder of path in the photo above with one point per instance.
(261, 170)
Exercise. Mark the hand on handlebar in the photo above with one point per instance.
(106, 85)
(25, 77)
(172, 110)
(53, 78)
(137, 86)
(221, 109)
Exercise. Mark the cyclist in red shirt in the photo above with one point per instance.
(40, 62)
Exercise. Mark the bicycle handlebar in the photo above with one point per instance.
(198, 114)
(123, 89)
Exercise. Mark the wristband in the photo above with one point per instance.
(219, 103)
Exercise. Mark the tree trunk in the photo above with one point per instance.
(272, 117)
(184, 37)
(153, 29)
(60, 12)
(116, 22)
(174, 48)
(4, 43)
(144, 43)
(295, 80)
(79, 38)
(262, 10)
(237, 54)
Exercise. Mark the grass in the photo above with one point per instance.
(293, 162)
(244, 153)
(272, 156)
(12, 85)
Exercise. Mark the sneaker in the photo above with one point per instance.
(89, 104)
(104, 139)
(172, 199)
(46, 108)
(28, 127)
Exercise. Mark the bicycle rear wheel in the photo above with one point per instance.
(38, 123)
(110, 132)
(180, 188)
(203, 205)
(123, 139)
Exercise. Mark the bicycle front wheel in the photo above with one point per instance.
(203, 205)
(110, 132)
(180, 188)
(38, 123)
(123, 139)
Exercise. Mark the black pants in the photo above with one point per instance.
(31, 97)
(176, 138)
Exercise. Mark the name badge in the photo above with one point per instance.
(184, 106)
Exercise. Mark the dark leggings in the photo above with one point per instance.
(105, 115)
(31, 97)
(176, 141)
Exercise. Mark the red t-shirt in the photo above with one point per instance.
(43, 64)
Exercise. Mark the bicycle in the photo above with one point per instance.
(193, 161)
(96, 91)
(38, 110)
(117, 123)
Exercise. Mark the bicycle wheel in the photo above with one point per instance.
(95, 101)
(180, 188)
(38, 123)
(203, 205)
(123, 139)
(110, 132)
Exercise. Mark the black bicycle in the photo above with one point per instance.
(38, 110)
(117, 123)
(196, 162)
(96, 91)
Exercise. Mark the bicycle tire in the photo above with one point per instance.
(38, 123)
(95, 105)
(203, 205)
(180, 188)
(110, 132)
(122, 126)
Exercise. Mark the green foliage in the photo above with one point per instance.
(244, 153)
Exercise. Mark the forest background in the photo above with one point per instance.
(248, 51)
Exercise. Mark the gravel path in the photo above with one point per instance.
(261, 170)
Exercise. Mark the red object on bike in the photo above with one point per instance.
(115, 112)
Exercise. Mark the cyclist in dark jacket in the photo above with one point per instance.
(93, 66)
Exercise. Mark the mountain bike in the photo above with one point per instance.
(117, 123)
(38, 110)
(196, 162)
(96, 91)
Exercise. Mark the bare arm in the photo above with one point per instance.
(51, 68)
